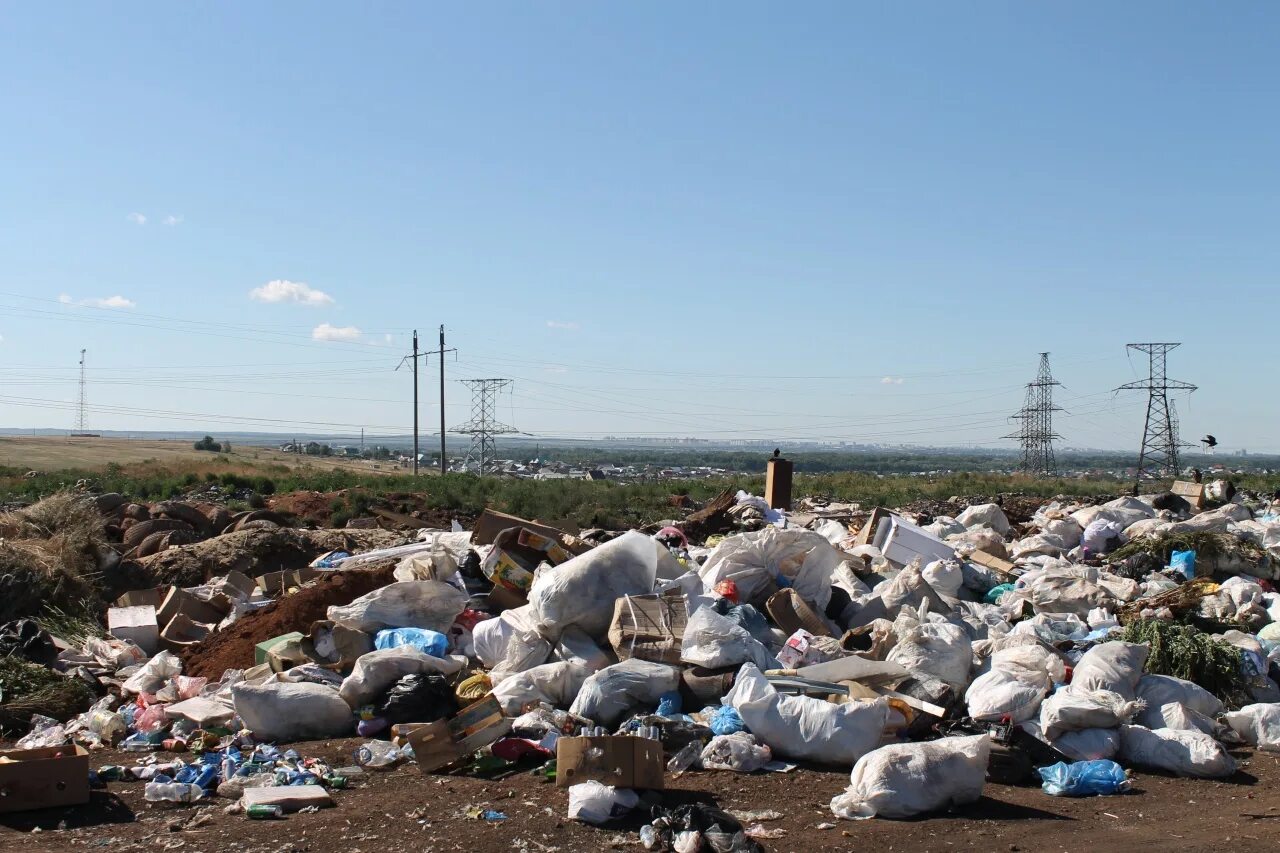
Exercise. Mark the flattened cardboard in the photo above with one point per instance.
(991, 561)
(443, 742)
(44, 777)
(623, 761)
(649, 627)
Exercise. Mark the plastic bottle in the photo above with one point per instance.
(649, 837)
(378, 755)
(172, 792)
(684, 759)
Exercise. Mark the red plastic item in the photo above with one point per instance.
(728, 590)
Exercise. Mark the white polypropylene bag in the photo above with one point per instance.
(713, 641)
(286, 711)
(1175, 715)
(557, 684)
(1088, 744)
(906, 779)
(740, 752)
(525, 650)
(939, 649)
(754, 561)
(582, 591)
(1160, 690)
(405, 604)
(1184, 753)
(805, 728)
(607, 696)
(578, 648)
(594, 803)
(490, 637)
(154, 674)
(945, 576)
(1000, 693)
(376, 671)
(1073, 708)
(1258, 724)
(1115, 666)
(985, 515)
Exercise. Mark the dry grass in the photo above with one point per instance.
(48, 453)
(49, 555)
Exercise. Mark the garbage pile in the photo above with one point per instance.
(925, 659)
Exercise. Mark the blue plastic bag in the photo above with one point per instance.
(725, 720)
(428, 642)
(670, 704)
(1185, 562)
(1084, 778)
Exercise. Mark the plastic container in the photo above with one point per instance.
(173, 792)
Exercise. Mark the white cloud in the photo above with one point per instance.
(892, 380)
(282, 290)
(137, 218)
(173, 219)
(562, 324)
(116, 301)
(326, 332)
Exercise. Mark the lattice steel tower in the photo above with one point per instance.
(484, 424)
(1036, 433)
(82, 424)
(1159, 454)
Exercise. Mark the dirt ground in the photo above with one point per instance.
(404, 810)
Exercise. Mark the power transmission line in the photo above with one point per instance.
(1159, 455)
(484, 424)
(1036, 433)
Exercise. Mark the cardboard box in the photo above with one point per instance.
(143, 597)
(799, 651)
(290, 798)
(792, 613)
(1193, 493)
(491, 523)
(516, 553)
(261, 650)
(991, 561)
(276, 584)
(43, 778)
(183, 631)
(443, 742)
(137, 624)
(179, 601)
(622, 761)
(649, 627)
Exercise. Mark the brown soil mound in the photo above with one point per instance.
(234, 647)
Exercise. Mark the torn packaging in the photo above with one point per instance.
(649, 627)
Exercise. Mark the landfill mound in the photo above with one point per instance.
(924, 652)
(233, 648)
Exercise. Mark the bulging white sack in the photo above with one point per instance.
(608, 695)
(287, 711)
(939, 649)
(905, 779)
(376, 671)
(1088, 744)
(1160, 690)
(713, 641)
(985, 515)
(1258, 724)
(405, 604)
(582, 590)
(1074, 708)
(1185, 753)
(1115, 666)
(805, 728)
(557, 684)
(754, 561)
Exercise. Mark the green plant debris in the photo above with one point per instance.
(1184, 652)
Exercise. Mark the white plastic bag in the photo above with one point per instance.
(740, 752)
(1184, 753)
(945, 576)
(490, 636)
(985, 515)
(576, 647)
(607, 696)
(285, 711)
(1000, 693)
(1175, 715)
(1160, 690)
(582, 590)
(1088, 744)
(1073, 708)
(591, 802)
(525, 650)
(754, 561)
(939, 649)
(805, 728)
(405, 604)
(154, 674)
(1258, 724)
(1115, 666)
(906, 779)
(378, 670)
(713, 641)
(557, 684)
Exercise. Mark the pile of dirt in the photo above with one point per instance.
(256, 552)
(233, 648)
(314, 509)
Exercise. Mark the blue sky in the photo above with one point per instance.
(827, 220)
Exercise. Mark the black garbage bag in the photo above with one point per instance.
(25, 638)
(419, 698)
(721, 832)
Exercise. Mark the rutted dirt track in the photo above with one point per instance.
(403, 810)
